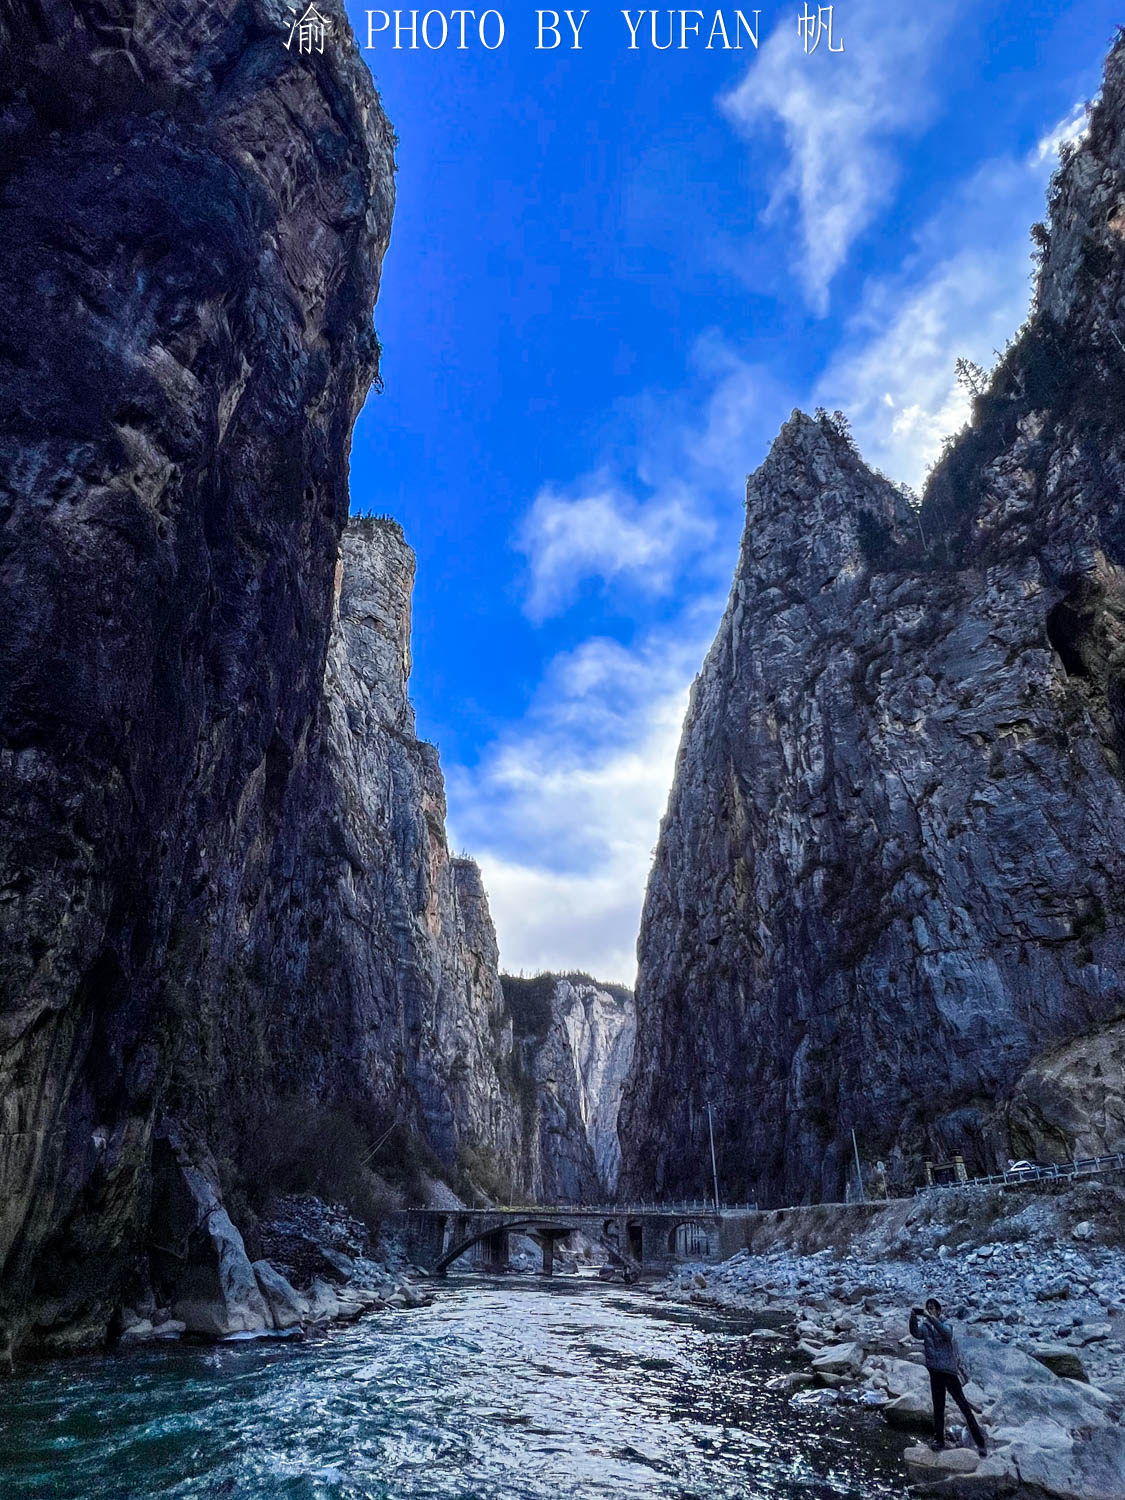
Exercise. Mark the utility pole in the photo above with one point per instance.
(858, 1173)
(714, 1167)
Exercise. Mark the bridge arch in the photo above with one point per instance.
(510, 1226)
(702, 1242)
(551, 1228)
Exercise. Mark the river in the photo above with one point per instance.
(513, 1389)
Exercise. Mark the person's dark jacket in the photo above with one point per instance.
(938, 1348)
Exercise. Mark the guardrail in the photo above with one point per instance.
(1088, 1166)
(702, 1207)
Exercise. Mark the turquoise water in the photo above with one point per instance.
(502, 1390)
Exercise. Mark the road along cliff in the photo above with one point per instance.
(890, 873)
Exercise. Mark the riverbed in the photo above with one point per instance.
(507, 1389)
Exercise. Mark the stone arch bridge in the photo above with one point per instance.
(639, 1239)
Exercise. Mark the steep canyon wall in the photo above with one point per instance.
(194, 220)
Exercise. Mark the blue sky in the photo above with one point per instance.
(612, 275)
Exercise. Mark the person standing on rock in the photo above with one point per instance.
(940, 1353)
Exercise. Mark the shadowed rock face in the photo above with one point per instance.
(379, 944)
(193, 222)
(890, 873)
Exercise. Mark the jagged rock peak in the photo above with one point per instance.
(812, 502)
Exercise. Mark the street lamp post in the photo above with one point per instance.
(714, 1165)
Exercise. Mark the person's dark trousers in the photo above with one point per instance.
(940, 1382)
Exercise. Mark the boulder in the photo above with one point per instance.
(861, 1291)
(286, 1304)
(1088, 1466)
(1094, 1333)
(839, 1359)
(214, 1291)
(336, 1265)
(136, 1331)
(946, 1461)
(217, 1292)
(903, 1376)
(911, 1411)
(995, 1366)
(171, 1328)
(324, 1305)
(1060, 1361)
(1065, 1404)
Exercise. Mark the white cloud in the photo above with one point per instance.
(563, 813)
(604, 533)
(744, 410)
(694, 467)
(1067, 132)
(840, 115)
(963, 294)
(564, 809)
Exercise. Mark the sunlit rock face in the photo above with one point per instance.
(193, 220)
(601, 1025)
(890, 873)
(573, 1041)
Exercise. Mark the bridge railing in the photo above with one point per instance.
(1087, 1166)
(702, 1207)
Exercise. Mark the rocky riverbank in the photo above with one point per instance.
(319, 1267)
(1036, 1287)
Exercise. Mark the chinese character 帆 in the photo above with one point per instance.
(813, 24)
(309, 31)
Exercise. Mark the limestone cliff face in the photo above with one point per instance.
(193, 221)
(573, 1041)
(601, 1026)
(394, 934)
(891, 870)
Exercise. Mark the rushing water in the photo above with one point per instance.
(502, 1390)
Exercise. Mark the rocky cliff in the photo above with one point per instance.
(378, 944)
(573, 1043)
(194, 219)
(890, 874)
(601, 1027)
(1071, 1101)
